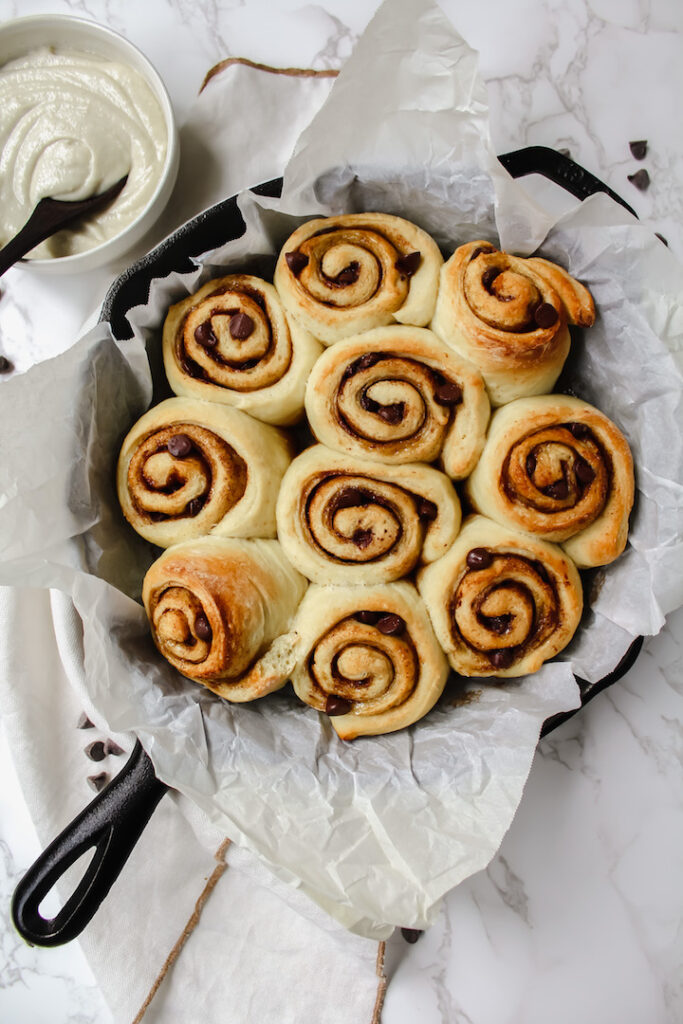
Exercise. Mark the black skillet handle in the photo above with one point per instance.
(558, 168)
(112, 823)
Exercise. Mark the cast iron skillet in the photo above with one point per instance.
(113, 822)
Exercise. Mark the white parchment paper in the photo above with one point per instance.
(378, 830)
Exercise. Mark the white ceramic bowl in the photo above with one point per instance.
(22, 35)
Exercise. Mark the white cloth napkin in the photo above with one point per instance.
(254, 956)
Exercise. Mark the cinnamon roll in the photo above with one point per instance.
(399, 394)
(339, 276)
(509, 316)
(219, 610)
(346, 519)
(188, 468)
(501, 602)
(557, 468)
(368, 657)
(232, 342)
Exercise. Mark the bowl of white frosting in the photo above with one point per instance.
(80, 107)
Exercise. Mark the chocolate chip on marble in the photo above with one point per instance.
(408, 264)
(5, 365)
(337, 706)
(448, 393)
(502, 659)
(391, 625)
(296, 261)
(579, 430)
(411, 935)
(584, 472)
(98, 782)
(641, 179)
(204, 335)
(84, 722)
(112, 748)
(479, 558)
(202, 627)
(545, 315)
(179, 446)
(427, 510)
(661, 238)
(638, 149)
(95, 751)
(241, 326)
(368, 618)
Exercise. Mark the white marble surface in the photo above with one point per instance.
(578, 918)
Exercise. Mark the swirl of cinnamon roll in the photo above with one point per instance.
(398, 394)
(501, 602)
(345, 519)
(189, 468)
(368, 657)
(339, 276)
(509, 316)
(557, 468)
(217, 608)
(232, 342)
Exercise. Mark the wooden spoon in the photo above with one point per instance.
(51, 215)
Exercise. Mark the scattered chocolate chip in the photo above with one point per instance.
(579, 430)
(157, 517)
(427, 510)
(349, 275)
(337, 706)
(112, 748)
(351, 497)
(408, 264)
(479, 558)
(411, 935)
(498, 623)
(641, 179)
(179, 446)
(98, 782)
(296, 261)
(392, 414)
(448, 393)
(95, 751)
(368, 618)
(202, 627)
(638, 149)
(241, 326)
(362, 538)
(502, 659)
(84, 722)
(5, 365)
(530, 464)
(584, 472)
(204, 335)
(661, 238)
(545, 315)
(489, 276)
(558, 490)
(195, 506)
(391, 625)
(480, 249)
(564, 152)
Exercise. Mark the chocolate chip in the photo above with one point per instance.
(204, 335)
(349, 275)
(579, 430)
(502, 659)
(411, 935)
(489, 276)
(367, 403)
(368, 618)
(112, 748)
(641, 179)
(638, 149)
(84, 722)
(392, 414)
(480, 249)
(497, 623)
(337, 706)
(584, 472)
(448, 393)
(202, 627)
(95, 751)
(408, 264)
(5, 365)
(362, 538)
(391, 625)
(427, 510)
(195, 506)
(157, 517)
(558, 490)
(366, 361)
(530, 464)
(179, 446)
(296, 261)
(479, 558)
(98, 782)
(241, 326)
(351, 497)
(661, 238)
(545, 315)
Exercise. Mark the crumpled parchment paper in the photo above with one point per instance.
(378, 830)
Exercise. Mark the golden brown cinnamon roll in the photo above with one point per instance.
(188, 468)
(339, 276)
(398, 394)
(557, 468)
(368, 657)
(231, 342)
(501, 602)
(217, 609)
(509, 315)
(346, 519)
